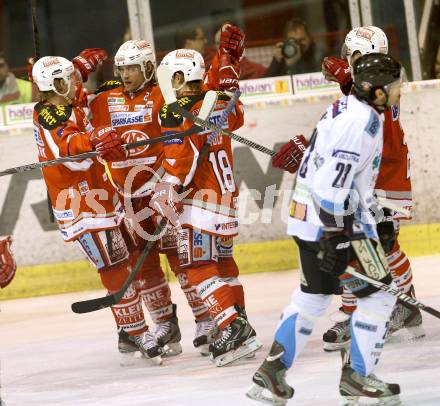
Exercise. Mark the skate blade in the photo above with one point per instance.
(363, 401)
(330, 347)
(203, 349)
(263, 395)
(156, 361)
(250, 346)
(127, 359)
(172, 349)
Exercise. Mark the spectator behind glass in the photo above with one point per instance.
(297, 54)
(191, 37)
(13, 90)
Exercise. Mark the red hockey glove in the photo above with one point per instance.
(228, 73)
(167, 201)
(288, 158)
(232, 40)
(7, 262)
(88, 60)
(108, 144)
(336, 70)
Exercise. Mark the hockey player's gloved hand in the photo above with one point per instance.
(288, 158)
(228, 73)
(7, 262)
(387, 232)
(335, 252)
(338, 70)
(88, 60)
(107, 143)
(232, 41)
(167, 201)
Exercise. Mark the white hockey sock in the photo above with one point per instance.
(368, 327)
(297, 321)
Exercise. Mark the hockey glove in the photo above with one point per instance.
(88, 60)
(7, 262)
(107, 143)
(335, 252)
(338, 70)
(232, 41)
(387, 232)
(288, 158)
(167, 202)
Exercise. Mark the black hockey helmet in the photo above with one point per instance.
(374, 71)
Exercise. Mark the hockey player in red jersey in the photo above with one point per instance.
(208, 214)
(85, 204)
(8, 265)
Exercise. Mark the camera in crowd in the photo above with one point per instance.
(290, 48)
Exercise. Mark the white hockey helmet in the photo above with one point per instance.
(48, 68)
(187, 61)
(135, 52)
(365, 40)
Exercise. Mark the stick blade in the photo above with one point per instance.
(93, 305)
(164, 77)
(208, 104)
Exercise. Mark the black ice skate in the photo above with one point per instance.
(206, 333)
(168, 335)
(355, 388)
(406, 316)
(270, 385)
(126, 343)
(147, 345)
(337, 337)
(237, 340)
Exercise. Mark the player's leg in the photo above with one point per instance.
(308, 303)
(198, 255)
(108, 252)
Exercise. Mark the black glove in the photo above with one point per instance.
(335, 252)
(387, 234)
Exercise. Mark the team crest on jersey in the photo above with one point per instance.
(134, 136)
(373, 125)
(395, 112)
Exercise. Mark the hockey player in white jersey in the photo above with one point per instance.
(333, 202)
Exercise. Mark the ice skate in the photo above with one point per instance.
(147, 345)
(408, 317)
(270, 385)
(206, 333)
(127, 348)
(337, 337)
(363, 390)
(168, 336)
(237, 340)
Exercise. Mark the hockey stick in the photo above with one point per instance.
(370, 260)
(93, 154)
(109, 300)
(164, 77)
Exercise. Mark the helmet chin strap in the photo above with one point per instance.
(65, 93)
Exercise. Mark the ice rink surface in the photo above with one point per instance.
(51, 356)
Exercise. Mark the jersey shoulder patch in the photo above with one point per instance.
(373, 124)
(339, 106)
(52, 116)
(171, 119)
(108, 85)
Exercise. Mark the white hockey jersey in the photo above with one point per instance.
(340, 166)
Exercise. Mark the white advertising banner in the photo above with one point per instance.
(312, 83)
(274, 86)
(18, 114)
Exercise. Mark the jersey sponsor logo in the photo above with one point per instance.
(131, 136)
(51, 116)
(201, 247)
(118, 107)
(373, 125)
(63, 214)
(346, 155)
(365, 326)
(395, 112)
(226, 226)
(37, 135)
(339, 106)
(123, 119)
(376, 161)
(83, 188)
(115, 100)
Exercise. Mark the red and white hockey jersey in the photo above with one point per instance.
(82, 198)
